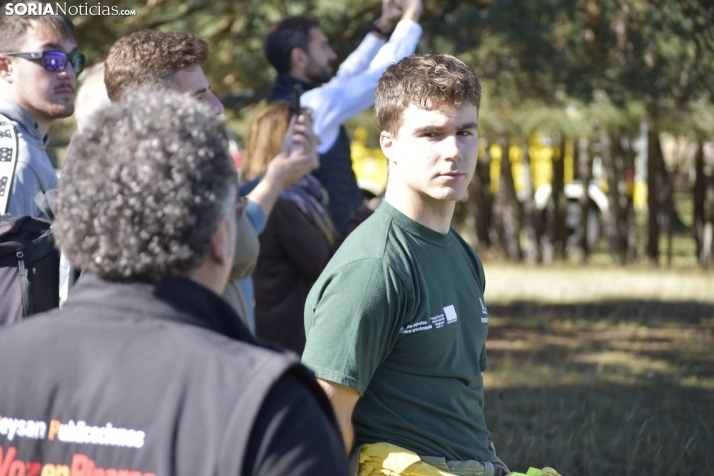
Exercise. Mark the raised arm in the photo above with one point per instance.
(343, 399)
(396, 10)
(298, 158)
(360, 58)
(352, 90)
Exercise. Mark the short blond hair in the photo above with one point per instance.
(149, 58)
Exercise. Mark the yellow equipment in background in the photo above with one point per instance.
(541, 156)
(369, 165)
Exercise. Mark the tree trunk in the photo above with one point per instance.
(699, 195)
(585, 176)
(612, 228)
(624, 159)
(668, 217)
(708, 239)
(482, 201)
(509, 208)
(654, 186)
(530, 220)
(558, 203)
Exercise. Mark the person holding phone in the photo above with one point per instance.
(298, 240)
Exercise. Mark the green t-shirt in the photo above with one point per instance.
(398, 315)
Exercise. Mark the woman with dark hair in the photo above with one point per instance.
(297, 242)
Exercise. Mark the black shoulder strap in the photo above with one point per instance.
(26, 256)
(25, 286)
(47, 203)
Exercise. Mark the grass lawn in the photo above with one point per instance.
(601, 371)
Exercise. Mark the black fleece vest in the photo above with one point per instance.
(138, 378)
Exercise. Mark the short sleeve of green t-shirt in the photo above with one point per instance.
(352, 321)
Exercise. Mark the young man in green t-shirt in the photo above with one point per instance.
(396, 324)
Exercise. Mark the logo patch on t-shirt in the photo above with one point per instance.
(438, 321)
(450, 314)
(484, 318)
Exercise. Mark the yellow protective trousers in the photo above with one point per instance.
(385, 459)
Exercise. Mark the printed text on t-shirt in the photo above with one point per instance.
(437, 322)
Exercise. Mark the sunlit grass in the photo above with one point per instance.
(601, 371)
(568, 283)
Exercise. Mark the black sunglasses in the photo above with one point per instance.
(54, 60)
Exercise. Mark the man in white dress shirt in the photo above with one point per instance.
(301, 54)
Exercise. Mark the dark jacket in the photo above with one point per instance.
(157, 379)
(335, 170)
(293, 253)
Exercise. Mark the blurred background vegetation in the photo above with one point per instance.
(597, 148)
(616, 94)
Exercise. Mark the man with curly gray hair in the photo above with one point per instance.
(146, 370)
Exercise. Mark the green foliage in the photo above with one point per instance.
(234, 30)
(531, 56)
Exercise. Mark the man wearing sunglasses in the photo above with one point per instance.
(39, 64)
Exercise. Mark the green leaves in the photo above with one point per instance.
(539, 53)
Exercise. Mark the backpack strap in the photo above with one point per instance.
(8, 160)
(47, 203)
(30, 253)
(25, 286)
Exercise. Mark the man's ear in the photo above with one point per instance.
(221, 245)
(6, 68)
(298, 59)
(387, 142)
